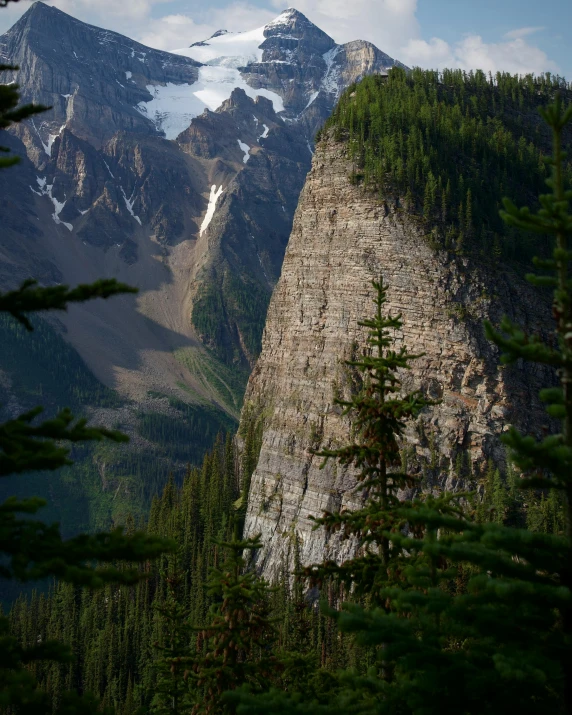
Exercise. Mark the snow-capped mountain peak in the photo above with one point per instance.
(289, 61)
(288, 19)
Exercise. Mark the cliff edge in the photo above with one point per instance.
(343, 237)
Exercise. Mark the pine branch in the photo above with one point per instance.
(30, 297)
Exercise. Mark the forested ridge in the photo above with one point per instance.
(448, 146)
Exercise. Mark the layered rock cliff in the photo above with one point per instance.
(343, 237)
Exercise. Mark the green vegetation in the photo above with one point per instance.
(447, 146)
(120, 635)
(453, 603)
(232, 316)
(106, 482)
(226, 383)
(43, 366)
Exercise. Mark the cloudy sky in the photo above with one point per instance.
(512, 35)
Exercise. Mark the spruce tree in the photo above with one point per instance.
(504, 642)
(171, 694)
(236, 644)
(477, 620)
(378, 413)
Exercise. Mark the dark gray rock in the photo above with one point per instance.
(101, 191)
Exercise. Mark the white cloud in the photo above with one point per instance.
(174, 31)
(515, 56)
(521, 32)
(125, 16)
(390, 24)
(142, 21)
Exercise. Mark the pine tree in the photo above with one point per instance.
(239, 634)
(477, 619)
(379, 415)
(548, 462)
(10, 112)
(171, 695)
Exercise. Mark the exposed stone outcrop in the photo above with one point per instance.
(309, 70)
(342, 238)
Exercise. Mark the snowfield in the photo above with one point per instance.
(215, 193)
(231, 49)
(246, 149)
(173, 106)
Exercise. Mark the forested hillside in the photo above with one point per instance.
(448, 146)
(106, 483)
(366, 212)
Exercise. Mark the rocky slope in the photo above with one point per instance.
(117, 180)
(342, 238)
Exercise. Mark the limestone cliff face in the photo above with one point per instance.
(342, 238)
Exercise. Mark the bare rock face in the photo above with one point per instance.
(342, 238)
(116, 180)
(93, 78)
(309, 70)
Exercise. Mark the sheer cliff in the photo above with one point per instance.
(344, 236)
(179, 173)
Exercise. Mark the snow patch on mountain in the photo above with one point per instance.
(47, 190)
(312, 98)
(173, 106)
(246, 149)
(284, 19)
(129, 203)
(330, 83)
(265, 132)
(215, 193)
(47, 145)
(231, 49)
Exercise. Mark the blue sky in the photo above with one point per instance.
(512, 35)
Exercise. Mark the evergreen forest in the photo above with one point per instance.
(448, 146)
(452, 602)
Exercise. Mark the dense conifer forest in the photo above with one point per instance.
(449, 146)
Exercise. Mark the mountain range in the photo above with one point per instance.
(177, 172)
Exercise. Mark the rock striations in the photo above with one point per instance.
(342, 238)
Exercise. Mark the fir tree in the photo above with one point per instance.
(171, 694)
(477, 618)
(238, 638)
(379, 414)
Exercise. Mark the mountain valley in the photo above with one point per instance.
(178, 173)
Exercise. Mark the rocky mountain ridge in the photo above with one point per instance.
(117, 180)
